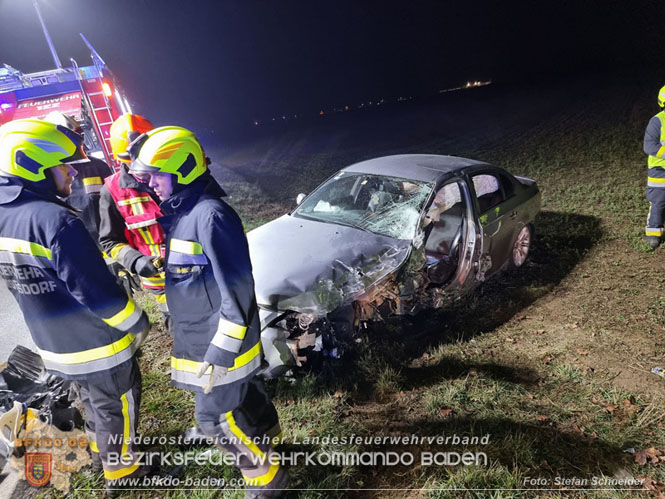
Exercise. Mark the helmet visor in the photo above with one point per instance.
(79, 155)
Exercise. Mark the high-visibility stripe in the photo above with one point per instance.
(194, 366)
(227, 343)
(139, 225)
(187, 247)
(656, 183)
(244, 439)
(126, 318)
(231, 329)
(229, 336)
(126, 426)
(91, 189)
(120, 473)
(116, 249)
(160, 298)
(21, 246)
(136, 200)
(89, 355)
(185, 371)
(92, 181)
(654, 231)
(93, 366)
(176, 258)
(23, 259)
(93, 445)
(259, 480)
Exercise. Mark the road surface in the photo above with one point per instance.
(13, 330)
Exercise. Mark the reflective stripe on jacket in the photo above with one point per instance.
(209, 289)
(83, 324)
(142, 232)
(654, 142)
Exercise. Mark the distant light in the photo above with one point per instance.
(283, 117)
(321, 113)
(346, 108)
(256, 123)
(107, 89)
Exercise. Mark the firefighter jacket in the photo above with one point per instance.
(85, 193)
(83, 324)
(654, 144)
(209, 289)
(129, 227)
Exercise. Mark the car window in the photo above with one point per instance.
(445, 218)
(385, 205)
(488, 191)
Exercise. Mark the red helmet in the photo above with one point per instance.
(123, 131)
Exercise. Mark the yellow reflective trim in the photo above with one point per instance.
(187, 247)
(262, 480)
(93, 446)
(116, 249)
(122, 472)
(192, 366)
(160, 298)
(92, 181)
(125, 202)
(89, 355)
(126, 427)
(122, 315)
(247, 442)
(657, 180)
(231, 329)
(246, 357)
(21, 246)
(660, 152)
(657, 233)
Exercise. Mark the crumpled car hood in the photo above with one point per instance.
(314, 267)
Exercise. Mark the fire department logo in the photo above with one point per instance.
(37, 468)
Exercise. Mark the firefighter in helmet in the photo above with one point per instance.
(88, 183)
(85, 327)
(210, 292)
(129, 232)
(654, 146)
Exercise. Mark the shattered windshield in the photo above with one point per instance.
(389, 206)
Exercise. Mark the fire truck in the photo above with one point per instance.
(89, 93)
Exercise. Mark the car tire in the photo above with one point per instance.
(521, 247)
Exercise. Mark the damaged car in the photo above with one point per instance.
(383, 237)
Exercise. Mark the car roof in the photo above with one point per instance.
(423, 167)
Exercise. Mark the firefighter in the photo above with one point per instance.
(88, 183)
(210, 293)
(84, 326)
(129, 232)
(654, 146)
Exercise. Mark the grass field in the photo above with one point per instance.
(551, 361)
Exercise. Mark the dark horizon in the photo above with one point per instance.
(215, 66)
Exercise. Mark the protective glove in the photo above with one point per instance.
(218, 372)
(145, 267)
(141, 337)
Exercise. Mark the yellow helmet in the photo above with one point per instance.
(661, 97)
(169, 149)
(28, 147)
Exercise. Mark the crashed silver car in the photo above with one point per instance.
(386, 236)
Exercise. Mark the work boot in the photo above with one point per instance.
(276, 488)
(114, 487)
(96, 462)
(653, 241)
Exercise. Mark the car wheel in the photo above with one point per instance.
(521, 247)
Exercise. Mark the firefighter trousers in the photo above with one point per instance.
(111, 406)
(656, 198)
(246, 433)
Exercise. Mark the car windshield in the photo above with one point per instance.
(389, 206)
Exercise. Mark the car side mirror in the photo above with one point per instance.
(300, 197)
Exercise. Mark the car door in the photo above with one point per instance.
(495, 200)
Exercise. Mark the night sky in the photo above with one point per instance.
(219, 65)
